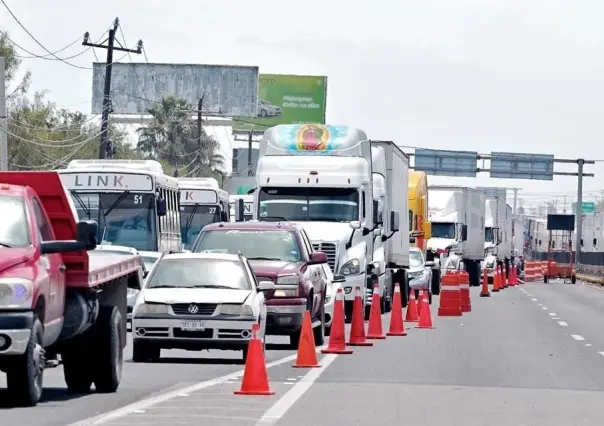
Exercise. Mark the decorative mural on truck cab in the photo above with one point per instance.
(319, 138)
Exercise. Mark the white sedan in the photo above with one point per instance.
(197, 301)
(420, 274)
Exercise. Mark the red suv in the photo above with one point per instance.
(280, 252)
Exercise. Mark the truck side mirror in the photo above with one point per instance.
(595, 242)
(394, 224)
(239, 210)
(376, 216)
(86, 231)
(464, 232)
(162, 207)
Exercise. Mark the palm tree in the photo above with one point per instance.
(172, 137)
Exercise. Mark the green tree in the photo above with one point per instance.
(172, 139)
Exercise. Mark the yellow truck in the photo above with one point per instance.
(419, 227)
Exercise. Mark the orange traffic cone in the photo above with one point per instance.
(337, 338)
(485, 284)
(514, 277)
(397, 326)
(496, 277)
(255, 377)
(307, 355)
(357, 328)
(504, 278)
(412, 314)
(374, 330)
(425, 319)
(420, 297)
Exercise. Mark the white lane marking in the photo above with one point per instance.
(541, 305)
(563, 323)
(577, 337)
(278, 410)
(588, 344)
(555, 318)
(544, 308)
(601, 353)
(533, 299)
(529, 294)
(552, 314)
(158, 399)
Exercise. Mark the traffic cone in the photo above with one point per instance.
(255, 377)
(485, 284)
(504, 278)
(425, 319)
(412, 314)
(420, 297)
(496, 280)
(357, 327)
(450, 296)
(375, 316)
(337, 338)
(397, 326)
(307, 354)
(464, 290)
(514, 276)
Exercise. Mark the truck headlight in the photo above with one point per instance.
(288, 280)
(149, 309)
(16, 293)
(238, 310)
(352, 267)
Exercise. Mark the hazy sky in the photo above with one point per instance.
(483, 75)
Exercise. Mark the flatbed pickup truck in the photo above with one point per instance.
(59, 302)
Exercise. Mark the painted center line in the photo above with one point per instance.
(577, 337)
(563, 323)
(533, 299)
(544, 308)
(552, 314)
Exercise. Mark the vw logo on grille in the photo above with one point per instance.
(193, 308)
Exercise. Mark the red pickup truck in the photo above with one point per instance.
(59, 303)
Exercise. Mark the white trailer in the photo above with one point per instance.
(457, 215)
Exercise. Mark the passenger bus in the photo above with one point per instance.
(134, 202)
(248, 204)
(201, 202)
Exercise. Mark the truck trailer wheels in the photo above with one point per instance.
(25, 376)
(109, 351)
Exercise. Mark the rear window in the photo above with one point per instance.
(253, 244)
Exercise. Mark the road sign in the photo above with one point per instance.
(493, 192)
(586, 206)
(288, 99)
(511, 165)
(446, 163)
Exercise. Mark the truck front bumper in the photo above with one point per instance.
(15, 331)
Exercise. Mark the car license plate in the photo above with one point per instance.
(193, 325)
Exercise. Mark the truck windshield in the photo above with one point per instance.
(14, 230)
(260, 245)
(125, 219)
(310, 204)
(193, 218)
(489, 236)
(443, 230)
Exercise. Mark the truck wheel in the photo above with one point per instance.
(108, 349)
(573, 279)
(436, 282)
(143, 352)
(76, 367)
(25, 377)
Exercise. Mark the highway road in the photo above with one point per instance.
(530, 355)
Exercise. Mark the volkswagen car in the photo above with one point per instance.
(197, 301)
(420, 272)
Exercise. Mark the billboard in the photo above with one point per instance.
(288, 99)
(135, 87)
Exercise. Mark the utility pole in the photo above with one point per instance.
(579, 213)
(199, 131)
(250, 139)
(105, 148)
(3, 119)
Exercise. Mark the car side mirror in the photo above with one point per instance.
(162, 207)
(394, 221)
(317, 258)
(266, 286)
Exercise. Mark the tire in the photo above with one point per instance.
(545, 279)
(436, 282)
(108, 349)
(430, 298)
(76, 365)
(144, 352)
(294, 339)
(25, 377)
(319, 332)
(573, 279)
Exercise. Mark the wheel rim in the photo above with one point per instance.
(118, 356)
(38, 364)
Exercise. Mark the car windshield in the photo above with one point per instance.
(199, 272)
(193, 218)
(443, 230)
(125, 219)
(416, 259)
(310, 204)
(253, 244)
(14, 231)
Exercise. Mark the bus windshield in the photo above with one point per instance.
(193, 218)
(125, 218)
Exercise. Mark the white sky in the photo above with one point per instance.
(483, 75)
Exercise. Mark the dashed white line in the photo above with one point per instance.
(544, 308)
(577, 337)
(601, 353)
(533, 299)
(555, 318)
(563, 323)
(553, 314)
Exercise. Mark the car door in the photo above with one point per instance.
(53, 263)
(316, 276)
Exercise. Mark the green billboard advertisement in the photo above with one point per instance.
(287, 99)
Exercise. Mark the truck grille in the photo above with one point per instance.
(331, 250)
(205, 309)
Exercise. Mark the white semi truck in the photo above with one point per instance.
(457, 215)
(348, 193)
(498, 234)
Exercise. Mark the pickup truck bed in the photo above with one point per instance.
(104, 267)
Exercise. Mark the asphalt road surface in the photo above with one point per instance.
(530, 355)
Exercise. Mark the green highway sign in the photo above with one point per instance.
(586, 206)
(287, 99)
